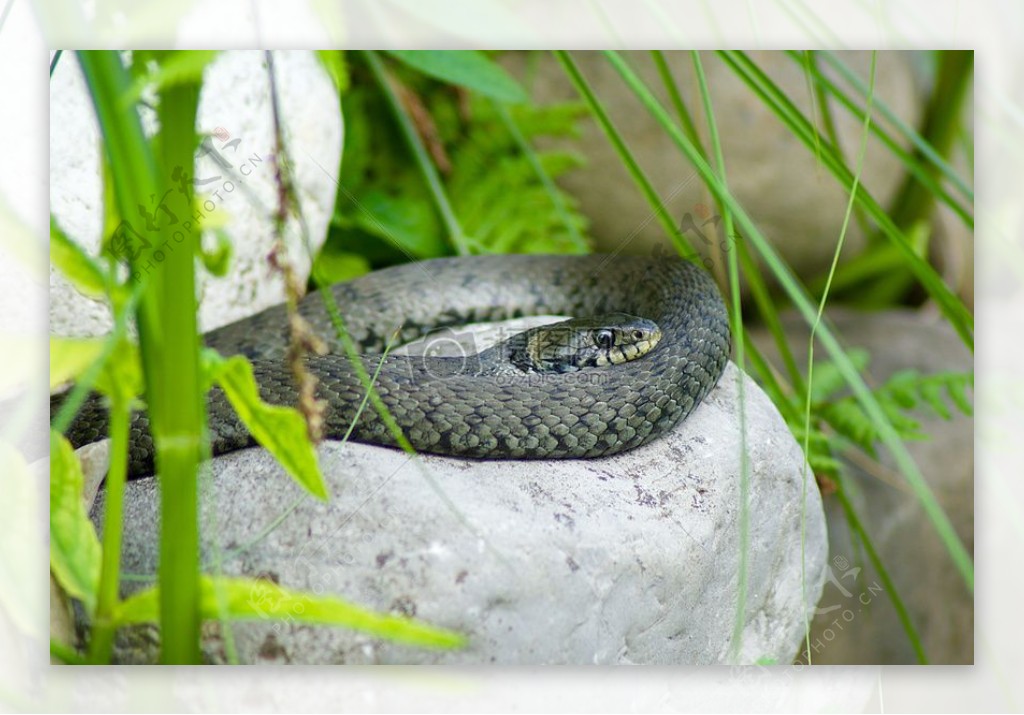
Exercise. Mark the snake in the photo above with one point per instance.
(648, 339)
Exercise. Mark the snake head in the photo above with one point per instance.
(594, 341)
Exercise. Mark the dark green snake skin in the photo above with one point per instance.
(452, 406)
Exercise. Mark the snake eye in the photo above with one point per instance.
(638, 335)
(604, 339)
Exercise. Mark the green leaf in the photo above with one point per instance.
(957, 391)
(333, 61)
(506, 198)
(335, 266)
(903, 391)
(828, 380)
(122, 374)
(69, 357)
(217, 260)
(468, 68)
(358, 108)
(282, 430)
(245, 599)
(407, 223)
(74, 546)
(84, 272)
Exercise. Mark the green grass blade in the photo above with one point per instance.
(951, 306)
(676, 98)
(419, 151)
(625, 155)
(919, 142)
(905, 463)
(824, 296)
(857, 528)
(739, 341)
(466, 68)
(911, 163)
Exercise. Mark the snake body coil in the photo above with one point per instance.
(454, 407)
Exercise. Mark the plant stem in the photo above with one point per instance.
(168, 337)
(176, 405)
(102, 643)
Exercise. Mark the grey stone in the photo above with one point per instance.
(939, 604)
(626, 559)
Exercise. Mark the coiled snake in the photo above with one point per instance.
(479, 407)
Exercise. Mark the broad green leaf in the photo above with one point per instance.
(282, 430)
(74, 546)
(245, 599)
(69, 357)
(80, 268)
(468, 68)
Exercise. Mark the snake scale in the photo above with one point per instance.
(451, 406)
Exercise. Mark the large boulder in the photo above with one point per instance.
(626, 559)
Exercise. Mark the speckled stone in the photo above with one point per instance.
(626, 559)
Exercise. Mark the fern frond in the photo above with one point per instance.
(903, 392)
(496, 192)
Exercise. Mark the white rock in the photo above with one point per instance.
(234, 105)
(626, 559)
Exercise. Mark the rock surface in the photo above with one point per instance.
(235, 110)
(627, 559)
(939, 604)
